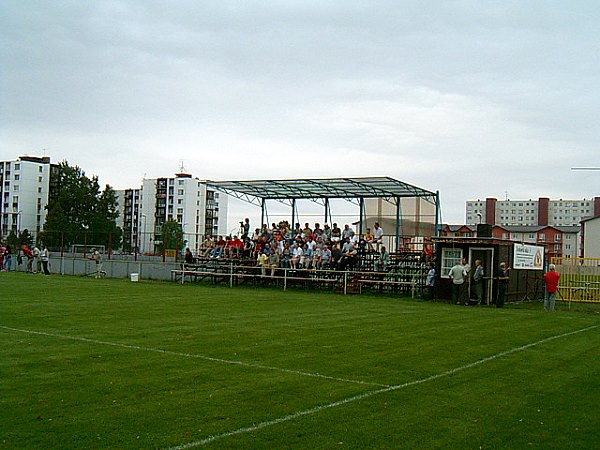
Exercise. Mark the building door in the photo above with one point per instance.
(486, 255)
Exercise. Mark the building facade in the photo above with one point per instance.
(199, 210)
(558, 241)
(540, 212)
(129, 218)
(25, 185)
(590, 237)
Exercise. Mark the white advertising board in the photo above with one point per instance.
(528, 257)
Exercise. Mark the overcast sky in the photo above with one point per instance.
(471, 98)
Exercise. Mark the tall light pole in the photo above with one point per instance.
(144, 234)
(19, 222)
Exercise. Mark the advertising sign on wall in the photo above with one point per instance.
(528, 257)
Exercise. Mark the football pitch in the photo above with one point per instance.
(94, 364)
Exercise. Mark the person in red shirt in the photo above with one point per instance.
(551, 278)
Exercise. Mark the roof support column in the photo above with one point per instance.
(437, 214)
(398, 218)
(263, 207)
(327, 211)
(361, 216)
(293, 224)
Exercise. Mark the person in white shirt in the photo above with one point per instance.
(458, 274)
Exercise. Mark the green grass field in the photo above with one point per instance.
(89, 364)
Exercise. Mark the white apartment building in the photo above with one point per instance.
(539, 212)
(200, 210)
(129, 201)
(24, 191)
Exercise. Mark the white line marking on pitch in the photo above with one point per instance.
(190, 355)
(359, 397)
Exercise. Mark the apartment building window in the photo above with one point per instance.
(40, 169)
(531, 235)
(556, 248)
(40, 179)
(179, 191)
(568, 236)
(17, 177)
(16, 188)
(17, 166)
(557, 238)
(542, 236)
(567, 246)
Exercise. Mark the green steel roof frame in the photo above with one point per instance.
(321, 190)
(350, 189)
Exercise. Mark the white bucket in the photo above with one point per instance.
(135, 277)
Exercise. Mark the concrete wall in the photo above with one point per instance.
(114, 268)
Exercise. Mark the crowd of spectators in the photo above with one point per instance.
(34, 258)
(299, 247)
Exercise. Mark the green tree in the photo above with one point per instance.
(172, 236)
(78, 212)
(12, 239)
(25, 238)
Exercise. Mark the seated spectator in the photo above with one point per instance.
(362, 245)
(326, 233)
(286, 255)
(306, 258)
(207, 246)
(248, 248)
(306, 231)
(325, 258)
(316, 258)
(382, 261)
(235, 247)
(188, 257)
(346, 232)
(297, 253)
(274, 258)
(336, 256)
(217, 251)
(377, 236)
(348, 259)
(336, 233)
(263, 263)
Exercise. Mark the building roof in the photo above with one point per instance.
(325, 188)
(536, 228)
(455, 228)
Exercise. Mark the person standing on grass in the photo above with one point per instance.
(45, 257)
(430, 281)
(503, 277)
(478, 281)
(7, 258)
(551, 278)
(97, 258)
(457, 274)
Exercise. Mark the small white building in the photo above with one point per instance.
(590, 237)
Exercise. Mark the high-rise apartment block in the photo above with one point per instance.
(540, 212)
(199, 210)
(25, 185)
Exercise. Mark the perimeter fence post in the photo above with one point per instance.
(345, 283)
